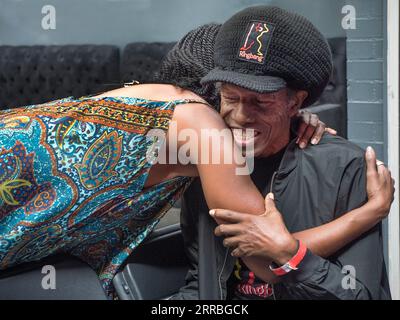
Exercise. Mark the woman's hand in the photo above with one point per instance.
(310, 129)
(380, 184)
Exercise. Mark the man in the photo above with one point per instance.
(270, 63)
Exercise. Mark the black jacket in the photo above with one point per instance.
(311, 187)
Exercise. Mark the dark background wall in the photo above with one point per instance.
(119, 22)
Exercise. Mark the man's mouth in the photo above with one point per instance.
(245, 136)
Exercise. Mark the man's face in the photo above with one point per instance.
(268, 114)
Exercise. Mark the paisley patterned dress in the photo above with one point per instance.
(72, 174)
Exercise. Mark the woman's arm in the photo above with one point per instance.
(203, 134)
(326, 239)
(222, 185)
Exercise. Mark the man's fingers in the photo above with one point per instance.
(227, 215)
(231, 242)
(228, 230)
(370, 159)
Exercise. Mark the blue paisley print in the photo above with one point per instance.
(72, 175)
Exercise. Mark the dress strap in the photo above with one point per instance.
(131, 83)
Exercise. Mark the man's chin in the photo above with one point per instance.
(256, 154)
(251, 146)
(261, 150)
(253, 152)
(260, 147)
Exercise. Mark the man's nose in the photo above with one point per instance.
(243, 114)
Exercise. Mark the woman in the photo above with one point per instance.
(74, 175)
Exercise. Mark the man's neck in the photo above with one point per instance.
(275, 155)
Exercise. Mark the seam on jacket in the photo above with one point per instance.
(220, 274)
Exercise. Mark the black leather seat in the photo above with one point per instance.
(74, 280)
(36, 74)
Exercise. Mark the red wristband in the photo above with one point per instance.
(292, 263)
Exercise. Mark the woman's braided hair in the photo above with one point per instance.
(191, 59)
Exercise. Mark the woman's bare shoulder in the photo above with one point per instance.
(152, 91)
(197, 115)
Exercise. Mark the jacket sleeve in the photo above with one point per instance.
(358, 270)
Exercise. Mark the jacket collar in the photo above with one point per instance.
(288, 160)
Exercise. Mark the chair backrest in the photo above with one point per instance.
(331, 107)
(336, 90)
(36, 74)
(141, 60)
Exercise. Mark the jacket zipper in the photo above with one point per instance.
(272, 180)
(270, 190)
(220, 275)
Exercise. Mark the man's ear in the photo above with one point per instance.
(296, 101)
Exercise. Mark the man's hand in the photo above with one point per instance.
(264, 236)
(310, 129)
(380, 184)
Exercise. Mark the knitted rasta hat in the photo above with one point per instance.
(191, 59)
(266, 48)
